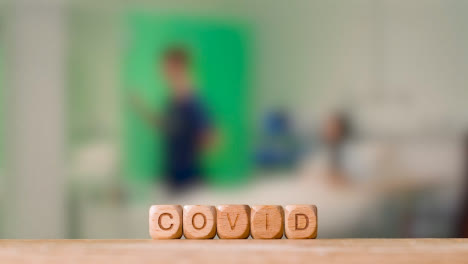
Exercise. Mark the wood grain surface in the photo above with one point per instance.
(236, 251)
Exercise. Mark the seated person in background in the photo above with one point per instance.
(334, 133)
(329, 162)
(184, 125)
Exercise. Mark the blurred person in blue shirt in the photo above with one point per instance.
(184, 124)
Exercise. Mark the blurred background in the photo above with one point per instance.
(357, 106)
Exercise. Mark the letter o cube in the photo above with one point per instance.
(199, 221)
(301, 221)
(165, 221)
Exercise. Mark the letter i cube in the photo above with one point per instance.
(267, 222)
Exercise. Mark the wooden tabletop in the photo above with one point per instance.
(235, 251)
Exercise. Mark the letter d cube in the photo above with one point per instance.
(301, 221)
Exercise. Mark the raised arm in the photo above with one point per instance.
(145, 112)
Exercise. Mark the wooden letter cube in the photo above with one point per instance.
(233, 221)
(199, 221)
(301, 221)
(267, 221)
(165, 221)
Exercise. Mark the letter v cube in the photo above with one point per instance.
(233, 221)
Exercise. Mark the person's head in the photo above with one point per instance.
(176, 64)
(336, 128)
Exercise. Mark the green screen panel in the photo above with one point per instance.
(221, 52)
